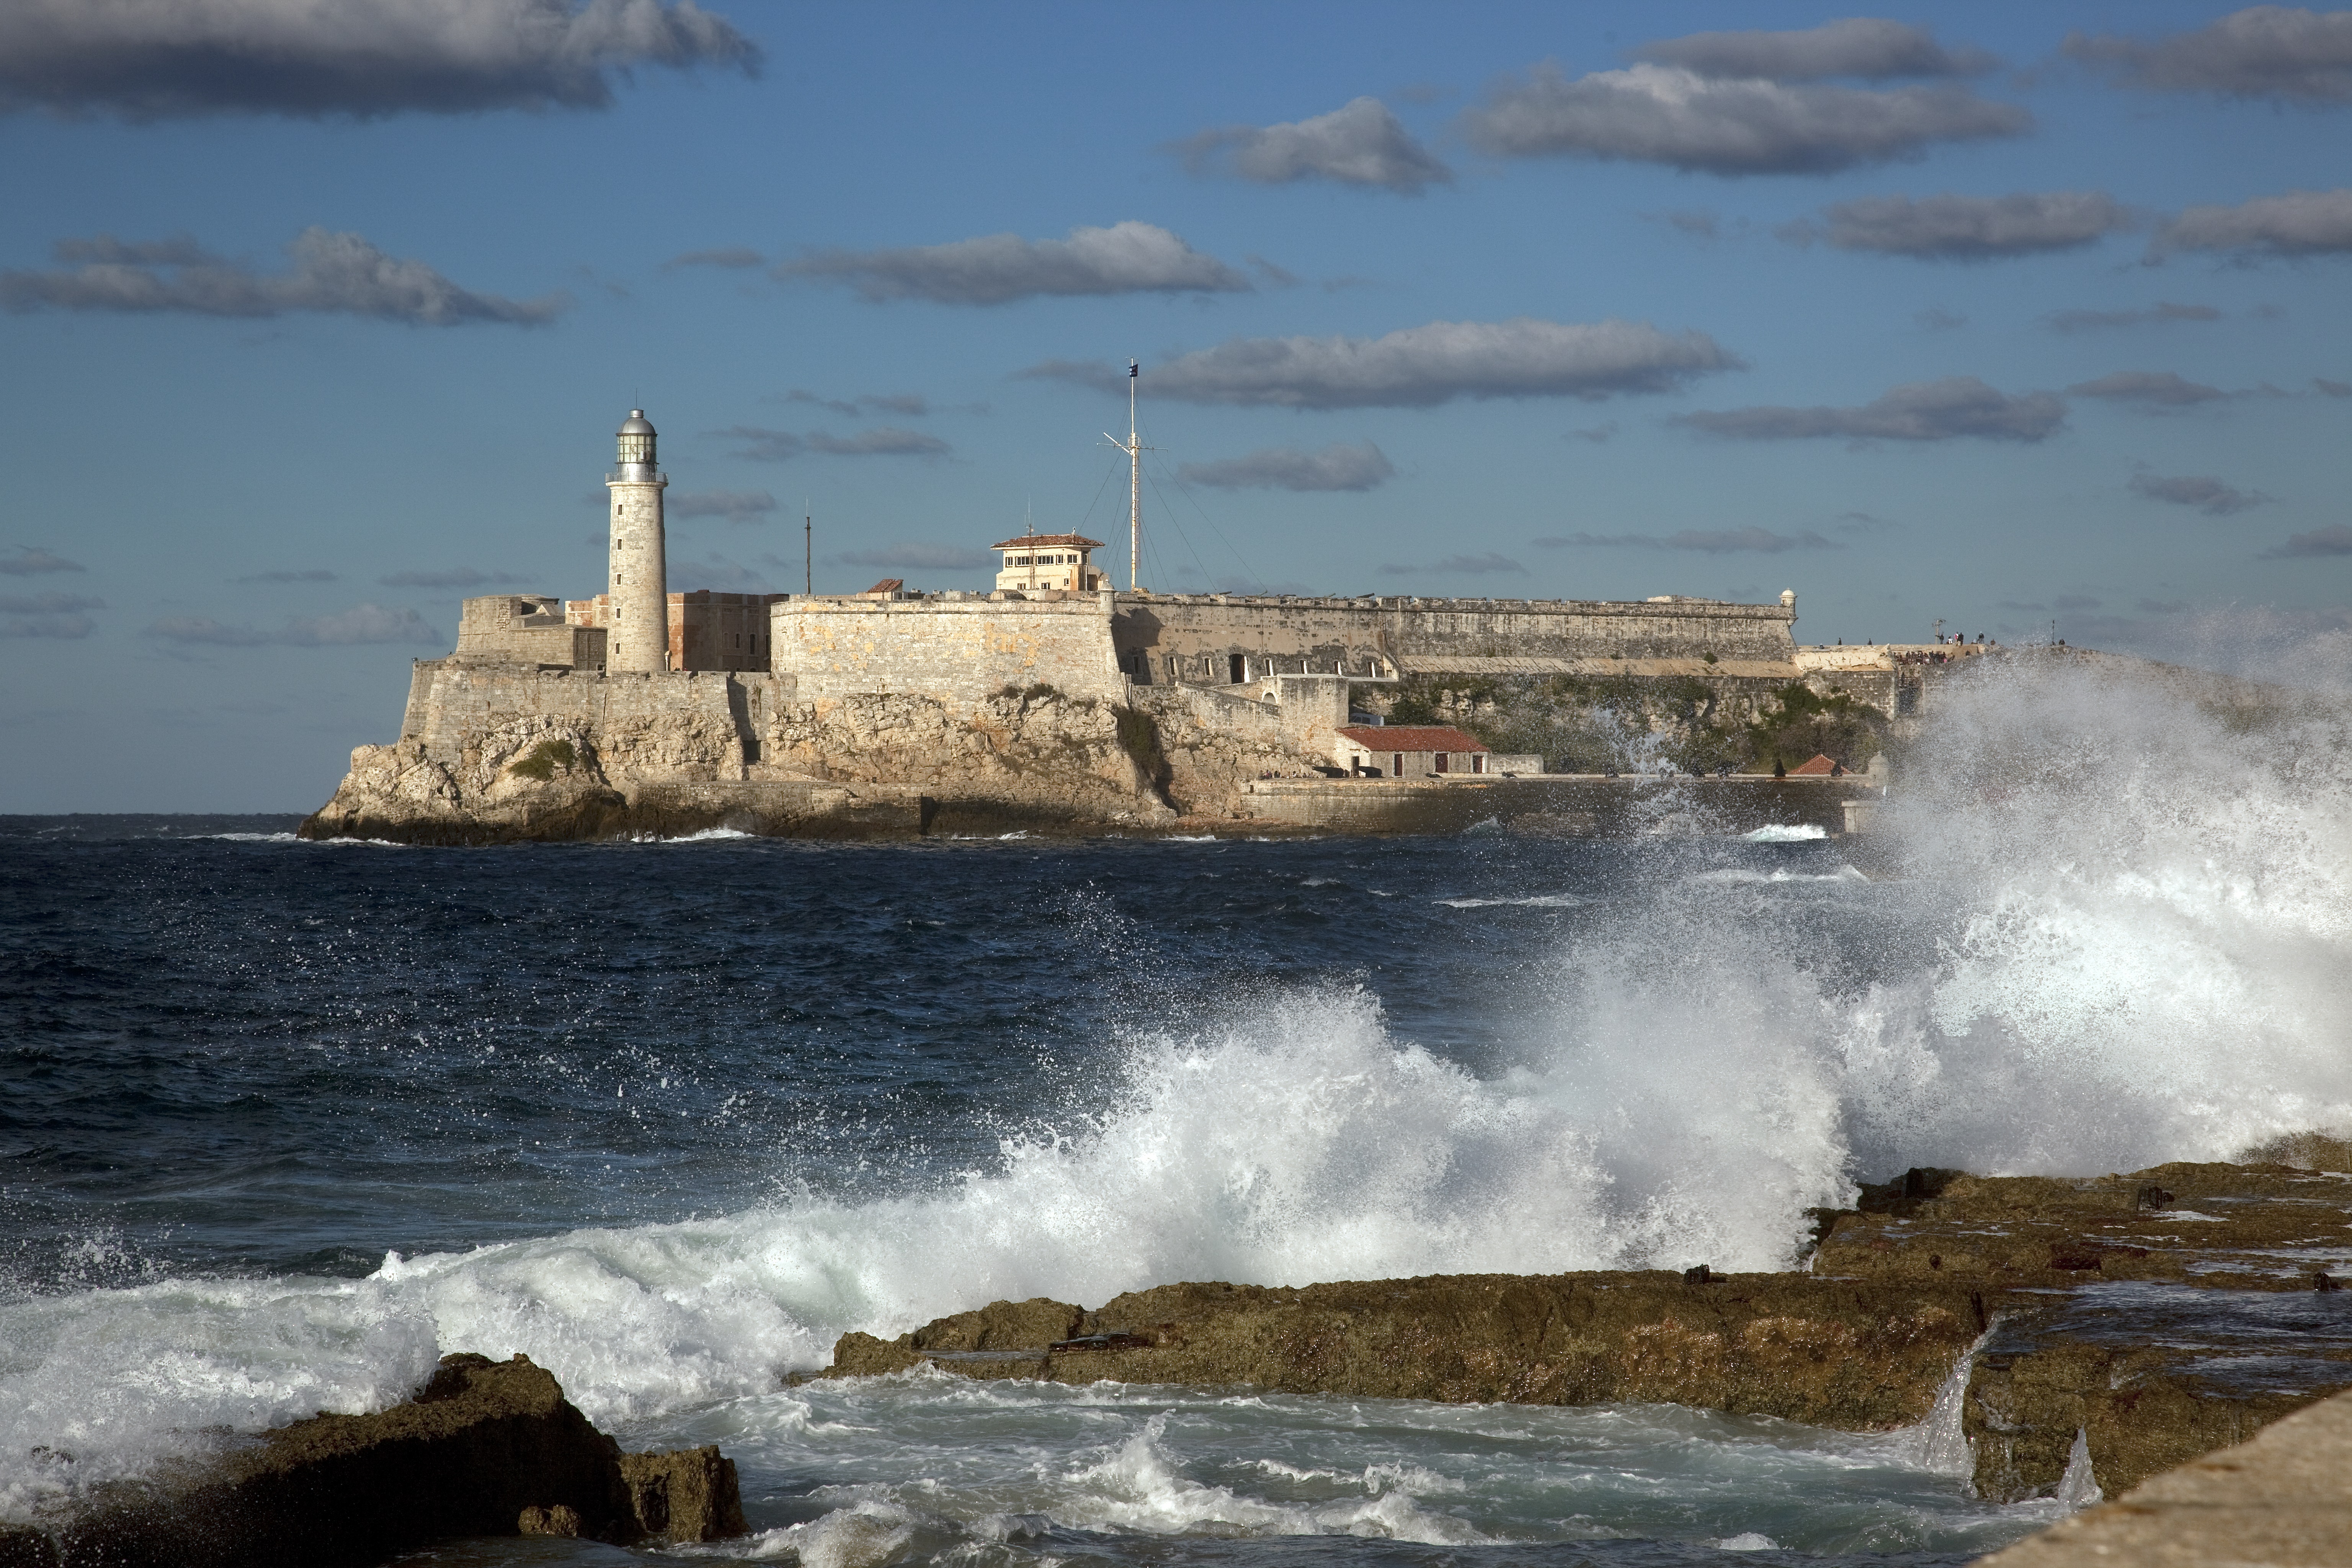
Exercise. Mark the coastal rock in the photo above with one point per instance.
(2155, 1335)
(1033, 750)
(508, 755)
(2281, 1498)
(485, 1448)
(1859, 1357)
(685, 1495)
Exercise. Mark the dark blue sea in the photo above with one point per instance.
(282, 1122)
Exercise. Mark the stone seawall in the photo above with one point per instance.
(1568, 806)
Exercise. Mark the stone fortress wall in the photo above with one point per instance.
(1225, 639)
(956, 650)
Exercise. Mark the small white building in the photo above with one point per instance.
(1035, 562)
(1408, 751)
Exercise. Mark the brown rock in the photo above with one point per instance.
(1030, 1325)
(560, 1519)
(688, 1494)
(1861, 1357)
(485, 1448)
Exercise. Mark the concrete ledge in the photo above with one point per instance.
(2281, 1499)
(1560, 805)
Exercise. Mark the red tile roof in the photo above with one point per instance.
(1410, 738)
(1050, 541)
(1819, 767)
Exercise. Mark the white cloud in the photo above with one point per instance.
(1426, 365)
(765, 446)
(144, 59)
(340, 274)
(361, 624)
(1337, 466)
(1359, 143)
(2278, 52)
(2300, 223)
(1698, 540)
(1942, 410)
(1967, 228)
(1867, 47)
(735, 505)
(33, 562)
(2148, 389)
(2203, 491)
(1664, 114)
(1128, 257)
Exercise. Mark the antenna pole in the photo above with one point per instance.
(808, 552)
(1134, 485)
(1134, 448)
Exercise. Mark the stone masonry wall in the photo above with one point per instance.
(1196, 638)
(524, 628)
(956, 652)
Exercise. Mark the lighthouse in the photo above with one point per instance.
(637, 636)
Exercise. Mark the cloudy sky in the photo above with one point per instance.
(318, 316)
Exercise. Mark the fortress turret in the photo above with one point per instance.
(638, 634)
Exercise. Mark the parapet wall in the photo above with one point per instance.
(1219, 639)
(956, 652)
(527, 629)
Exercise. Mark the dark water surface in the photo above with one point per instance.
(282, 1121)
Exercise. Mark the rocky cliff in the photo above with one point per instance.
(491, 755)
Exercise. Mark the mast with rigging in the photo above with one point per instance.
(1134, 448)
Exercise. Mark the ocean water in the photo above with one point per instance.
(280, 1124)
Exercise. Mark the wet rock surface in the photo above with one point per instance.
(2157, 1316)
(485, 1448)
(2283, 1499)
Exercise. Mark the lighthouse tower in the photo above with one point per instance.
(637, 636)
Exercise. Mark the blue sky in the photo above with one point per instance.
(317, 322)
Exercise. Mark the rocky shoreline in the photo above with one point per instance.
(2085, 1333)
(485, 1448)
(2152, 1317)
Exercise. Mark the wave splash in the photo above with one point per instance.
(2106, 955)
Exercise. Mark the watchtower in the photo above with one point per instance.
(638, 634)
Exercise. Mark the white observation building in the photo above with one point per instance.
(1048, 561)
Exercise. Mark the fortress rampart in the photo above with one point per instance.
(956, 650)
(1220, 639)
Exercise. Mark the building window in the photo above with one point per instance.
(1437, 763)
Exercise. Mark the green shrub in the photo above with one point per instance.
(542, 760)
(1139, 737)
